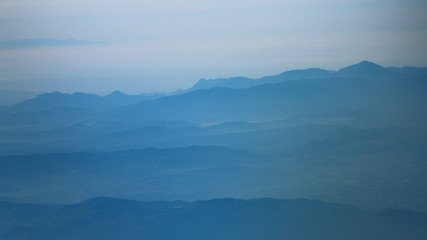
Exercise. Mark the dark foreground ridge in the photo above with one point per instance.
(107, 218)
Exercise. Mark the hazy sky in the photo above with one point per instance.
(163, 45)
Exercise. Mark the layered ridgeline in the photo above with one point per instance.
(354, 136)
(388, 95)
(105, 218)
(358, 174)
(361, 96)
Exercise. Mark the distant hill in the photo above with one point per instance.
(217, 219)
(330, 163)
(80, 100)
(386, 95)
(361, 86)
(415, 71)
(364, 69)
(372, 96)
(165, 173)
(356, 137)
(242, 82)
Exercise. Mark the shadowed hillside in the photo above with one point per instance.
(356, 136)
(104, 218)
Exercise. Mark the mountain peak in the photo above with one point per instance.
(365, 64)
(49, 95)
(234, 82)
(54, 93)
(116, 93)
(363, 67)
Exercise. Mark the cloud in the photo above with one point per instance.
(43, 43)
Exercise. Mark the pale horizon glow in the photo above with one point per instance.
(167, 45)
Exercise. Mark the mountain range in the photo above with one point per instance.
(355, 136)
(362, 69)
(106, 218)
(81, 100)
(385, 93)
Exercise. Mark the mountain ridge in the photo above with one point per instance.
(226, 218)
(117, 99)
(308, 73)
(57, 99)
(358, 70)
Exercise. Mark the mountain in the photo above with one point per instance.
(356, 136)
(416, 71)
(363, 69)
(80, 100)
(309, 73)
(235, 82)
(388, 98)
(327, 162)
(82, 121)
(149, 174)
(235, 126)
(242, 82)
(364, 86)
(106, 218)
(68, 122)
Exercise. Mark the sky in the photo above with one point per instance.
(164, 45)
